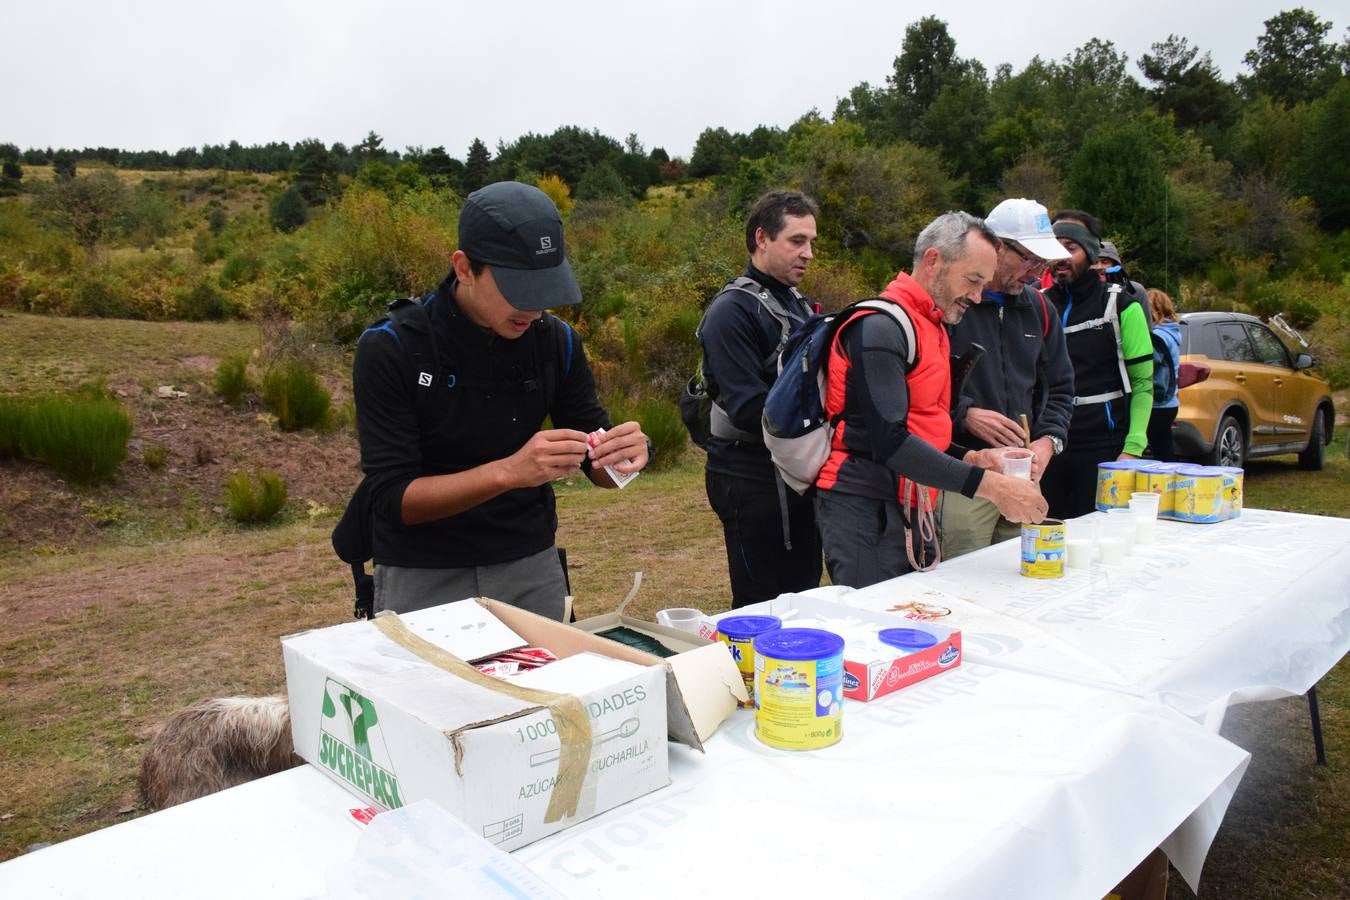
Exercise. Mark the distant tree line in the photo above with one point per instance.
(1185, 166)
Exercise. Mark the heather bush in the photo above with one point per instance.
(84, 438)
(232, 378)
(295, 396)
(255, 499)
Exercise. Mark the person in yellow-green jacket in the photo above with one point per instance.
(1107, 332)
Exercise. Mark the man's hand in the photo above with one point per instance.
(993, 428)
(989, 458)
(1017, 500)
(1042, 451)
(545, 457)
(624, 447)
(1125, 456)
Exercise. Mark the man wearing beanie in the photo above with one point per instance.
(1025, 370)
(1107, 332)
(458, 471)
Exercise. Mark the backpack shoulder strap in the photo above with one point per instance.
(785, 317)
(557, 340)
(1045, 314)
(896, 312)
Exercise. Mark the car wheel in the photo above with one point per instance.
(1313, 458)
(1230, 445)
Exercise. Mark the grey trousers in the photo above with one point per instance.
(864, 538)
(969, 524)
(535, 583)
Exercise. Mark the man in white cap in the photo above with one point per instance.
(1024, 371)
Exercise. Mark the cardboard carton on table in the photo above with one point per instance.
(393, 710)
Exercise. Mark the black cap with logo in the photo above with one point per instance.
(516, 229)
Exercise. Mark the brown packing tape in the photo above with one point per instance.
(574, 726)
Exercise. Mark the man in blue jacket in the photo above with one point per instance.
(1025, 369)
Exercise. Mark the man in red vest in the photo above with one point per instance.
(888, 389)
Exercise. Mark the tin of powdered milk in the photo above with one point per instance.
(1043, 549)
(1159, 478)
(1115, 483)
(799, 688)
(738, 633)
(1198, 494)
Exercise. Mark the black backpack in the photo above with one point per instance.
(696, 404)
(354, 535)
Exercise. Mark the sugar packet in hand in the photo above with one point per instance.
(615, 475)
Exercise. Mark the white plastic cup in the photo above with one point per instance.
(682, 617)
(1120, 525)
(1112, 550)
(1016, 463)
(1144, 508)
(1080, 552)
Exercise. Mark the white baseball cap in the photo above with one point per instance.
(1028, 223)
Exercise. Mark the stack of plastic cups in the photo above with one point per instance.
(1144, 509)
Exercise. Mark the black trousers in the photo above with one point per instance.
(1070, 481)
(1160, 433)
(761, 567)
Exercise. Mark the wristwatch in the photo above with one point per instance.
(1056, 444)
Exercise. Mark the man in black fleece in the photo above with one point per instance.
(1025, 370)
(460, 487)
(772, 543)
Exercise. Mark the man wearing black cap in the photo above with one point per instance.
(1107, 332)
(459, 472)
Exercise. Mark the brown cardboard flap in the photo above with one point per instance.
(700, 691)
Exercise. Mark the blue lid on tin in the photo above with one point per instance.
(745, 627)
(1119, 464)
(909, 639)
(799, 643)
(1196, 470)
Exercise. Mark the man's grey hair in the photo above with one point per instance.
(947, 234)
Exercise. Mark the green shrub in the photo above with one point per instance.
(232, 378)
(204, 301)
(13, 414)
(241, 267)
(255, 499)
(660, 421)
(1303, 313)
(155, 456)
(83, 439)
(295, 396)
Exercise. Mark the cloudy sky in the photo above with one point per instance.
(151, 74)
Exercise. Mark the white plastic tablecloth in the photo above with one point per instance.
(1047, 765)
(982, 782)
(1254, 608)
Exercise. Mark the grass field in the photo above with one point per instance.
(108, 637)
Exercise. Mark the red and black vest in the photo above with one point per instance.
(929, 382)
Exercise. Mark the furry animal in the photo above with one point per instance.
(216, 744)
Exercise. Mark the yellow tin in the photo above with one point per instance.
(799, 688)
(1043, 549)
(1230, 504)
(739, 633)
(1115, 483)
(1159, 478)
(1199, 494)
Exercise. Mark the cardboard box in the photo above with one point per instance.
(393, 712)
(871, 669)
(709, 683)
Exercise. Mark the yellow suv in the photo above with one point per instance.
(1259, 400)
